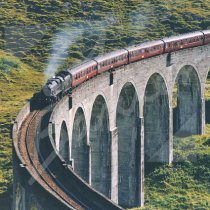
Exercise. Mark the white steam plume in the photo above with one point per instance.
(62, 42)
(69, 35)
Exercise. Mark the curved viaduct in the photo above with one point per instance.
(115, 125)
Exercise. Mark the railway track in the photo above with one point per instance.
(47, 169)
(27, 148)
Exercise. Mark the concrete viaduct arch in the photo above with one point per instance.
(140, 92)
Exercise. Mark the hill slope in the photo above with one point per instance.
(18, 82)
(92, 26)
(63, 32)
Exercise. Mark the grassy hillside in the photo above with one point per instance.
(35, 33)
(99, 25)
(18, 82)
(185, 184)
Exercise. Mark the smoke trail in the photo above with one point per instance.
(69, 35)
(62, 42)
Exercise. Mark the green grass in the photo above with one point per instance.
(17, 84)
(184, 184)
(105, 25)
(27, 31)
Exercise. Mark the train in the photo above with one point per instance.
(63, 83)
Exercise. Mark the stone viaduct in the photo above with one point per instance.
(111, 132)
(115, 126)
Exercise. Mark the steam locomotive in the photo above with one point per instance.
(64, 81)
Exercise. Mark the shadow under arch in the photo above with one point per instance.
(187, 103)
(64, 142)
(156, 123)
(127, 120)
(207, 99)
(100, 147)
(80, 150)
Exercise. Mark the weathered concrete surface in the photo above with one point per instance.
(156, 121)
(80, 149)
(187, 113)
(64, 142)
(128, 146)
(100, 148)
(139, 74)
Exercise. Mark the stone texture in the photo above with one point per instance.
(125, 141)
